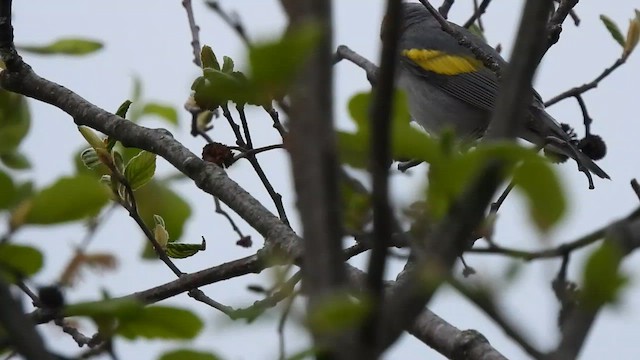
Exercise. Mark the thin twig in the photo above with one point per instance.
(195, 32)
(578, 90)
(219, 210)
(275, 196)
(496, 205)
(275, 117)
(484, 301)
(477, 14)
(445, 7)
(286, 310)
(231, 19)
(636, 187)
(585, 115)
(246, 153)
(198, 295)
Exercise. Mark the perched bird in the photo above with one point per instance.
(448, 87)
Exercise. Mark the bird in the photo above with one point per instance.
(447, 87)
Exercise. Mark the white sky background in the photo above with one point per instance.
(151, 40)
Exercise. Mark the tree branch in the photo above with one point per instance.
(380, 150)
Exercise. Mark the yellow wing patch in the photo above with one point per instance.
(442, 63)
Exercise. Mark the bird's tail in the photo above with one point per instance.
(564, 144)
(583, 160)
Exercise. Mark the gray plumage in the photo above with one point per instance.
(465, 101)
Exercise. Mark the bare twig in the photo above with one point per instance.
(195, 32)
(477, 14)
(585, 115)
(219, 210)
(636, 187)
(246, 153)
(231, 19)
(578, 90)
(483, 299)
(275, 196)
(496, 205)
(445, 7)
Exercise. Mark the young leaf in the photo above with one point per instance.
(114, 308)
(6, 189)
(181, 250)
(337, 314)
(227, 65)
(123, 108)
(602, 280)
(68, 199)
(140, 169)
(68, 46)
(275, 64)
(633, 35)
(161, 322)
(92, 138)
(89, 158)
(19, 260)
(165, 112)
(208, 58)
(613, 30)
(157, 198)
(159, 232)
(541, 186)
(188, 354)
(15, 160)
(15, 120)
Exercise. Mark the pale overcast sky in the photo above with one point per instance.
(151, 40)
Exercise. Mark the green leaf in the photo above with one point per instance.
(602, 280)
(541, 187)
(68, 199)
(89, 158)
(166, 112)
(633, 36)
(21, 192)
(407, 141)
(181, 250)
(140, 169)
(275, 64)
(19, 260)
(188, 354)
(613, 30)
(215, 88)
(304, 355)
(208, 58)
(227, 65)
(6, 189)
(158, 199)
(112, 308)
(124, 107)
(337, 314)
(159, 232)
(357, 208)
(475, 30)
(161, 322)
(69, 46)
(15, 121)
(15, 160)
